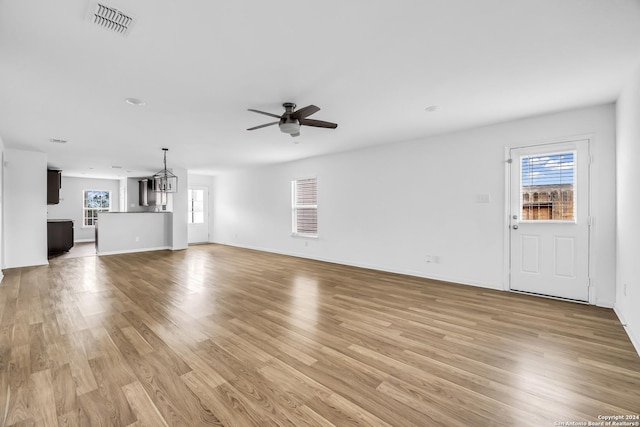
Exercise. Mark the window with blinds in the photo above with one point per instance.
(305, 207)
(548, 188)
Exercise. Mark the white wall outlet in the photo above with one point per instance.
(483, 198)
(428, 259)
(306, 243)
(436, 259)
(137, 238)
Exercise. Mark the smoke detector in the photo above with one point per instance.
(111, 19)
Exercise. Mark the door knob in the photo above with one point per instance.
(515, 227)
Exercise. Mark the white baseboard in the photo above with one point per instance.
(605, 303)
(130, 251)
(459, 280)
(630, 333)
(84, 240)
(1, 276)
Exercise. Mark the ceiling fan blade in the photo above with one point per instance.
(263, 126)
(304, 112)
(318, 123)
(264, 112)
(295, 134)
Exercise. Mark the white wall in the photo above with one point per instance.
(207, 182)
(25, 208)
(178, 205)
(1, 208)
(71, 203)
(628, 208)
(388, 207)
(120, 232)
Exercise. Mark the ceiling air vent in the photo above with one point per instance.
(111, 19)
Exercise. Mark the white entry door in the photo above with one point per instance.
(549, 220)
(198, 199)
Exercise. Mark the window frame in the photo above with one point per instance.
(295, 207)
(98, 210)
(562, 192)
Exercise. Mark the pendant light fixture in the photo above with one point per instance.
(164, 181)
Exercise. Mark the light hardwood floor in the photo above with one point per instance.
(216, 335)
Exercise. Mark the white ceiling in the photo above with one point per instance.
(371, 66)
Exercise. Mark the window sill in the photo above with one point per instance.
(304, 236)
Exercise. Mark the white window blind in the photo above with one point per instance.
(305, 207)
(548, 188)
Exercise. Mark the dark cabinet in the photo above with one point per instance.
(54, 183)
(59, 235)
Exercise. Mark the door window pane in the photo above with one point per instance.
(547, 187)
(196, 206)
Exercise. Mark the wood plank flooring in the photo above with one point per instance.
(222, 336)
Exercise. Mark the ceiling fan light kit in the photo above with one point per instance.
(291, 120)
(290, 127)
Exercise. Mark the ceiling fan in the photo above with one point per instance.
(291, 120)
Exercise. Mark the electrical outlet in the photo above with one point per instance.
(428, 259)
(436, 259)
(137, 239)
(483, 198)
(306, 243)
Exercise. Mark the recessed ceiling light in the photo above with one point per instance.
(116, 167)
(135, 101)
(432, 108)
(58, 141)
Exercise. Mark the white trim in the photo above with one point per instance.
(83, 225)
(635, 341)
(207, 209)
(84, 240)
(1, 276)
(569, 141)
(507, 221)
(305, 236)
(605, 304)
(294, 209)
(129, 251)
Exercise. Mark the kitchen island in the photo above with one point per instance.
(125, 232)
